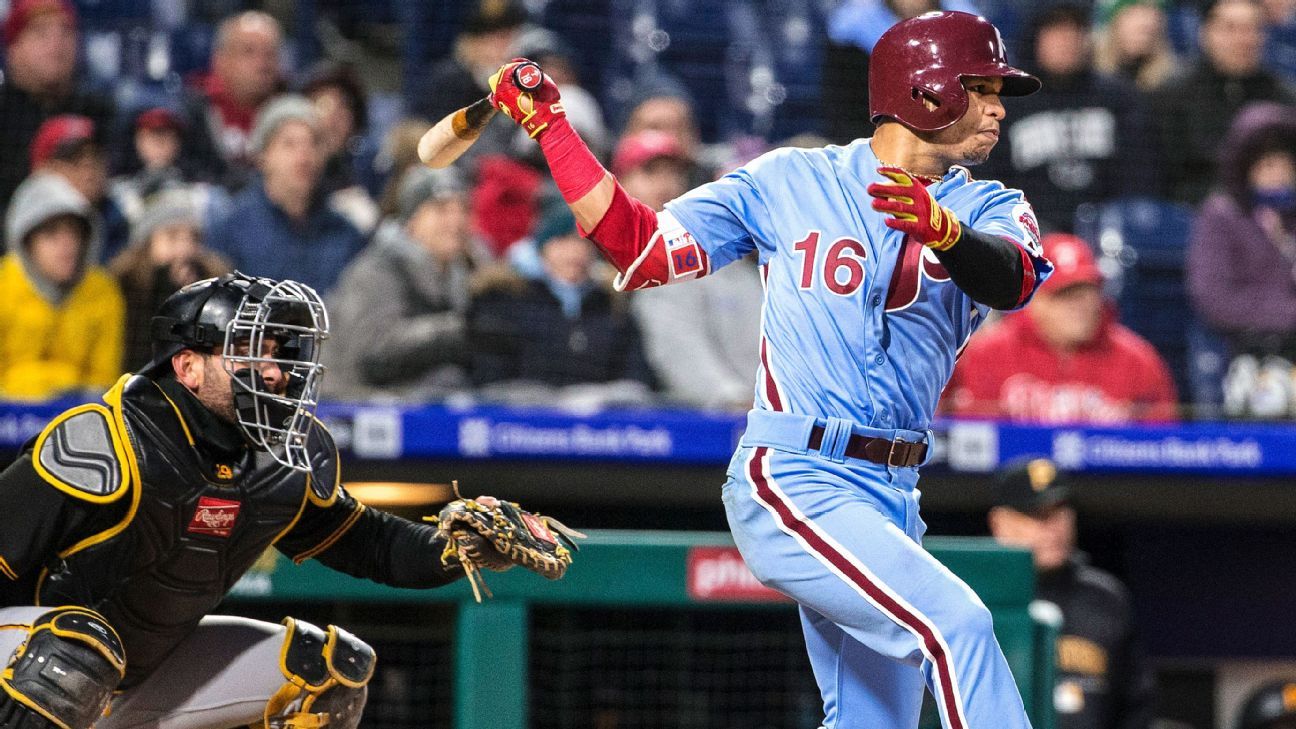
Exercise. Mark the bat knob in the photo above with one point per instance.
(528, 76)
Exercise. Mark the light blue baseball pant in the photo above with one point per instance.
(880, 615)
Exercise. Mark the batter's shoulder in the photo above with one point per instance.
(85, 451)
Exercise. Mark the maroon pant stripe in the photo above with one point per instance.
(844, 565)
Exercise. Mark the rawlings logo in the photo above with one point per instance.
(537, 528)
(214, 516)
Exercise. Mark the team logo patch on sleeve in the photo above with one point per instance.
(685, 257)
(1024, 217)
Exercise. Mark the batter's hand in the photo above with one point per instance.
(533, 110)
(914, 211)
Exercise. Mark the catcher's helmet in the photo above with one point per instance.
(926, 58)
(1272, 706)
(235, 315)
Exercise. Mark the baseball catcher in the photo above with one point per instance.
(127, 520)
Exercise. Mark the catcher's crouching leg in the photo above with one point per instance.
(64, 673)
(327, 674)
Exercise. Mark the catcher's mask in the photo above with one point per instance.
(253, 323)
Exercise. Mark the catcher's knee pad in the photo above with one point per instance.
(327, 674)
(64, 673)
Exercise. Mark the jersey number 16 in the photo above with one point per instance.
(843, 265)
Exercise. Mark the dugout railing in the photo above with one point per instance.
(542, 654)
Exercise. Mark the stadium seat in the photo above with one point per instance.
(1141, 243)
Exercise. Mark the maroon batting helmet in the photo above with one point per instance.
(926, 58)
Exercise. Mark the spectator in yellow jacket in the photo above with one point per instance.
(61, 316)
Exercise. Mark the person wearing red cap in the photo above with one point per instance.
(653, 167)
(66, 145)
(40, 49)
(1065, 359)
(152, 160)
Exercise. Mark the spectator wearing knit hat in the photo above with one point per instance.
(39, 81)
(280, 225)
(398, 310)
(166, 253)
(561, 339)
(60, 314)
(67, 146)
(1064, 358)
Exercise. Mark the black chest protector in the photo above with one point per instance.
(190, 528)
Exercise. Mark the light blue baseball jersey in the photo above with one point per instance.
(859, 322)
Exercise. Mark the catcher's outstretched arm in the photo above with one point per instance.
(390, 550)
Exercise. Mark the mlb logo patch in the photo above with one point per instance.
(685, 256)
(214, 516)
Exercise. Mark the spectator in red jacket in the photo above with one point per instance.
(1065, 358)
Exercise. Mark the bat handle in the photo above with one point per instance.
(528, 76)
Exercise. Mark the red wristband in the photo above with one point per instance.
(573, 165)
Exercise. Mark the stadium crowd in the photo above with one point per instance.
(1160, 158)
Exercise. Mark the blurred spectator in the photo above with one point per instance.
(1102, 680)
(484, 44)
(1064, 359)
(340, 100)
(1194, 110)
(245, 74)
(1272, 706)
(61, 316)
(398, 154)
(39, 81)
(655, 165)
(280, 226)
(1280, 51)
(67, 146)
(1083, 138)
(565, 331)
(583, 111)
(166, 253)
(1133, 44)
(1241, 265)
(669, 111)
(854, 27)
(505, 201)
(155, 154)
(399, 307)
(716, 321)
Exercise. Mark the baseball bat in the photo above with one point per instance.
(449, 138)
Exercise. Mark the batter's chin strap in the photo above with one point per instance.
(327, 674)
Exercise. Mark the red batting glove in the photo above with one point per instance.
(535, 111)
(914, 211)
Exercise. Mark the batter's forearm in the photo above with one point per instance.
(585, 185)
(623, 228)
(993, 271)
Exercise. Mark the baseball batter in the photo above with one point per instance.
(880, 259)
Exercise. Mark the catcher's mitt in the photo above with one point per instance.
(498, 535)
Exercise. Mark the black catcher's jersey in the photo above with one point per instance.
(137, 509)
